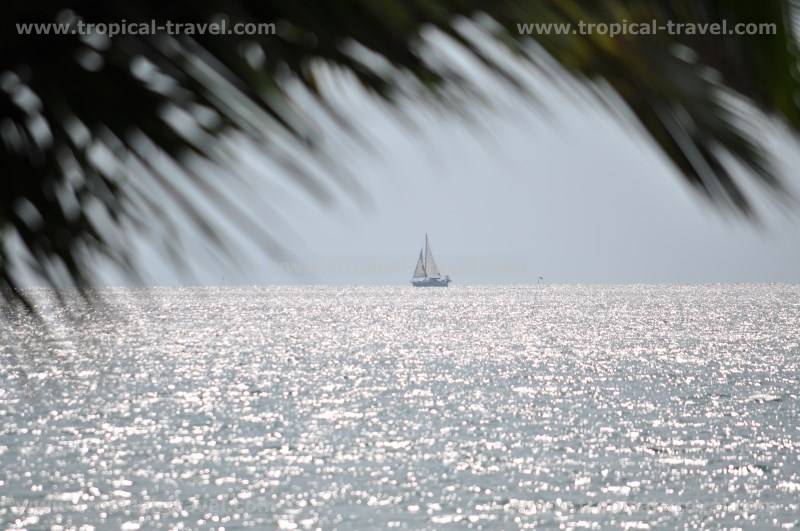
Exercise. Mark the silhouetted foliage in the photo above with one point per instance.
(99, 136)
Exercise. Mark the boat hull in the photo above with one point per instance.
(431, 282)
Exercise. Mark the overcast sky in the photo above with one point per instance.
(569, 194)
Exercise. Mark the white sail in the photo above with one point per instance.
(419, 271)
(427, 274)
(430, 263)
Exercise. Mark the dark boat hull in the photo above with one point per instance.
(431, 282)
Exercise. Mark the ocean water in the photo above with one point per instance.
(483, 407)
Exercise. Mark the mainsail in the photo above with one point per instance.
(419, 271)
(430, 263)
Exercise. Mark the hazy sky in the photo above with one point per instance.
(569, 194)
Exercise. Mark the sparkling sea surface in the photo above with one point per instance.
(484, 407)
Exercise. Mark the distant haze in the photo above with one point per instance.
(570, 194)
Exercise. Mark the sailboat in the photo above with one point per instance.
(426, 274)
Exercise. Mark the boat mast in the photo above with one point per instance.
(426, 254)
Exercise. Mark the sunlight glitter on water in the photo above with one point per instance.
(333, 407)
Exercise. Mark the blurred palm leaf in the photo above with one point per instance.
(101, 136)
